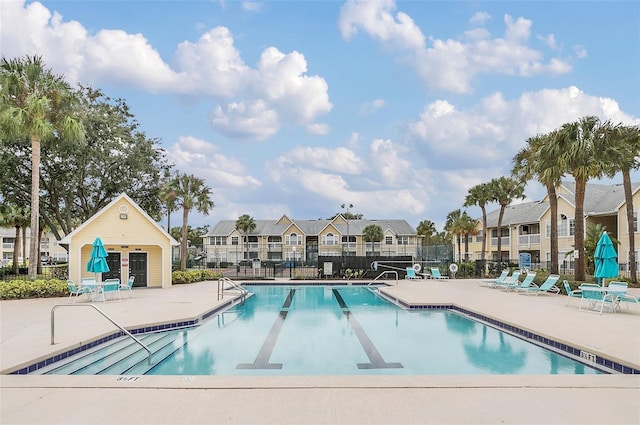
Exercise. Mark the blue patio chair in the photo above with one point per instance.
(111, 286)
(411, 274)
(627, 298)
(127, 286)
(511, 280)
(549, 285)
(594, 294)
(435, 274)
(77, 291)
(618, 290)
(526, 283)
(499, 279)
(576, 293)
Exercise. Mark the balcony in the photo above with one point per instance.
(274, 246)
(504, 241)
(528, 240)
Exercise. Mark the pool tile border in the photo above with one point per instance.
(140, 330)
(573, 352)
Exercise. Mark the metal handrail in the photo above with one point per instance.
(237, 286)
(105, 315)
(382, 274)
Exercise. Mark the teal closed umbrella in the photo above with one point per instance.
(98, 260)
(605, 258)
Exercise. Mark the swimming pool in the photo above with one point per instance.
(329, 330)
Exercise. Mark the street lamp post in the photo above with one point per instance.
(345, 206)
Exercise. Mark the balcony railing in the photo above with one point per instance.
(504, 242)
(529, 239)
(274, 245)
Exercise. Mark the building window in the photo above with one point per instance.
(635, 221)
(234, 240)
(566, 227)
(403, 240)
(329, 239)
(293, 239)
(388, 240)
(218, 240)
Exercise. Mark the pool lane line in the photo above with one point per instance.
(262, 359)
(375, 358)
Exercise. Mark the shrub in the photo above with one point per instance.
(22, 289)
(191, 276)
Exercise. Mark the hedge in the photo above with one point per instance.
(39, 288)
(191, 276)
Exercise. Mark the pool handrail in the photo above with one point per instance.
(234, 284)
(140, 343)
(382, 274)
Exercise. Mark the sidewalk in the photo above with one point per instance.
(25, 336)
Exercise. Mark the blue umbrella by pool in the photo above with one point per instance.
(605, 258)
(98, 260)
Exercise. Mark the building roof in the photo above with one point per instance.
(599, 199)
(313, 227)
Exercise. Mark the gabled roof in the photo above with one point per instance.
(313, 227)
(67, 238)
(528, 212)
(599, 199)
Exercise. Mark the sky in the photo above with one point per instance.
(299, 107)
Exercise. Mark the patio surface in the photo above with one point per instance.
(530, 399)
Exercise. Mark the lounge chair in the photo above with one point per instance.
(411, 274)
(511, 280)
(435, 274)
(594, 294)
(627, 298)
(127, 286)
(576, 293)
(526, 283)
(77, 291)
(499, 279)
(549, 285)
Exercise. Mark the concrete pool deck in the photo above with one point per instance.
(535, 399)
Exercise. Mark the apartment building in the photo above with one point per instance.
(50, 249)
(286, 239)
(526, 227)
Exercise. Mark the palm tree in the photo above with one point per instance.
(622, 153)
(372, 233)
(468, 228)
(191, 192)
(581, 146)
(455, 225)
(19, 219)
(480, 195)
(37, 105)
(538, 161)
(168, 196)
(504, 190)
(246, 224)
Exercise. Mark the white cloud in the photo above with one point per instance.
(450, 64)
(251, 6)
(480, 18)
(492, 131)
(376, 19)
(255, 103)
(318, 129)
(369, 108)
(246, 120)
(202, 158)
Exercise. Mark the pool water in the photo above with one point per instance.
(349, 330)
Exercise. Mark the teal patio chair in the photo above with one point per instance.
(511, 280)
(499, 279)
(75, 290)
(594, 294)
(576, 293)
(435, 274)
(111, 286)
(127, 286)
(548, 286)
(526, 283)
(618, 290)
